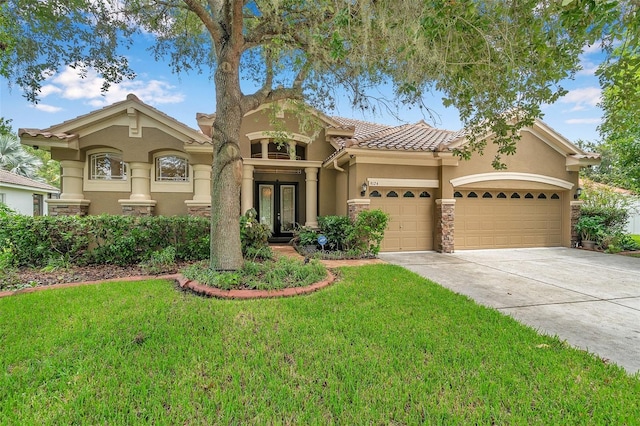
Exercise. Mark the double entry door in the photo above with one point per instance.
(277, 206)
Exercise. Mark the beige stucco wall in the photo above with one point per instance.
(105, 202)
(133, 149)
(170, 203)
(340, 188)
(328, 190)
(259, 121)
(532, 156)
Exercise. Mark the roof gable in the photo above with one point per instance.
(131, 112)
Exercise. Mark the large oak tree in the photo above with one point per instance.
(495, 61)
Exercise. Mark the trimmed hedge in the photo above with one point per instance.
(104, 239)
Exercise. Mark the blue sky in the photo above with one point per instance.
(65, 96)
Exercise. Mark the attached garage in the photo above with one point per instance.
(508, 219)
(411, 218)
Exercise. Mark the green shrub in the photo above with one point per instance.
(621, 242)
(591, 228)
(606, 213)
(336, 228)
(6, 210)
(306, 236)
(254, 236)
(368, 231)
(346, 238)
(7, 256)
(160, 261)
(105, 239)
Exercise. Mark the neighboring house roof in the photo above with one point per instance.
(588, 182)
(14, 180)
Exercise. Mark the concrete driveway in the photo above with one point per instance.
(589, 299)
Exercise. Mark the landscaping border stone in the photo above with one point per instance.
(209, 291)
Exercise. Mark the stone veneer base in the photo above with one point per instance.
(206, 290)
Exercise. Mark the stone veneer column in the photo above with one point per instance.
(355, 206)
(575, 215)
(139, 202)
(312, 196)
(71, 202)
(445, 217)
(246, 192)
(200, 205)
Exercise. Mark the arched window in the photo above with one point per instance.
(501, 195)
(408, 194)
(555, 197)
(375, 194)
(107, 166)
(171, 168)
(529, 195)
(472, 195)
(542, 196)
(457, 195)
(487, 195)
(425, 194)
(515, 195)
(392, 194)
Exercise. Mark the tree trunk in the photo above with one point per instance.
(226, 251)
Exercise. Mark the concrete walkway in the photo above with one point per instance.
(589, 299)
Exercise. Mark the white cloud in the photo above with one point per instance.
(47, 108)
(583, 98)
(593, 48)
(71, 86)
(584, 121)
(588, 67)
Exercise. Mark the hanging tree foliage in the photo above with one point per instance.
(495, 61)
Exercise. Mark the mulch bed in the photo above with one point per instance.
(38, 278)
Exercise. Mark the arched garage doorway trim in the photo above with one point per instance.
(494, 176)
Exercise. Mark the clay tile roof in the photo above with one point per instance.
(407, 137)
(587, 155)
(43, 133)
(14, 179)
(361, 127)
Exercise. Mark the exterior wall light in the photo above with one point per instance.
(578, 193)
(363, 188)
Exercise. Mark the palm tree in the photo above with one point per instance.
(15, 159)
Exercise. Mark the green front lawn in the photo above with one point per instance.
(383, 346)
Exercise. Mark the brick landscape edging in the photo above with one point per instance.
(206, 290)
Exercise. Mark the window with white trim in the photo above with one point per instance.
(171, 168)
(3, 198)
(107, 166)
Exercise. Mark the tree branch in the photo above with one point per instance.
(211, 24)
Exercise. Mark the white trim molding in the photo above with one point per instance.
(495, 176)
(253, 136)
(403, 183)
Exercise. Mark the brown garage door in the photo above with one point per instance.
(411, 218)
(506, 219)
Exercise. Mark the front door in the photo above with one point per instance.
(277, 207)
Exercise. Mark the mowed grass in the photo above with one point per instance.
(382, 346)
